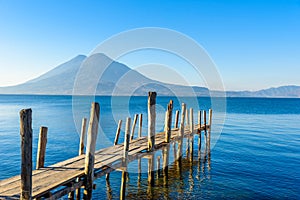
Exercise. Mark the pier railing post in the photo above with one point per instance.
(26, 154)
(82, 137)
(151, 120)
(140, 125)
(118, 132)
(90, 150)
(41, 151)
(183, 112)
(176, 119)
(133, 126)
(168, 122)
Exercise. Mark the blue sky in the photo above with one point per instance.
(255, 44)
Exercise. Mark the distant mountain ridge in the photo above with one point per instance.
(119, 79)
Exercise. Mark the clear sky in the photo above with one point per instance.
(254, 43)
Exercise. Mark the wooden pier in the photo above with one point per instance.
(72, 176)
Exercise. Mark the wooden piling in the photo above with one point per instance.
(26, 154)
(139, 159)
(209, 123)
(181, 133)
(125, 158)
(41, 151)
(80, 152)
(187, 117)
(123, 184)
(90, 150)
(191, 145)
(151, 120)
(115, 142)
(182, 119)
(118, 132)
(199, 121)
(168, 121)
(199, 134)
(140, 125)
(204, 119)
(133, 126)
(126, 141)
(82, 136)
(176, 119)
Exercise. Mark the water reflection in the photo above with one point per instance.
(168, 168)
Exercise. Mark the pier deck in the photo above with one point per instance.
(66, 172)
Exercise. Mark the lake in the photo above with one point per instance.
(255, 153)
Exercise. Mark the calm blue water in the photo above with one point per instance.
(257, 154)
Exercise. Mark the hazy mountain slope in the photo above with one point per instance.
(98, 74)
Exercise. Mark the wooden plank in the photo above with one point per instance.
(90, 150)
(151, 120)
(26, 153)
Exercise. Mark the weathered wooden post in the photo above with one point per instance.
(140, 126)
(126, 141)
(116, 141)
(80, 152)
(192, 134)
(181, 132)
(182, 119)
(204, 122)
(199, 121)
(199, 136)
(118, 132)
(187, 117)
(209, 123)
(82, 136)
(168, 122)
(41, 151)
(139, 160)
(125, 158)
(133, 126)
(204, 119)
(151, 120)
(26, 154)
(90, 150)
(176, 118)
